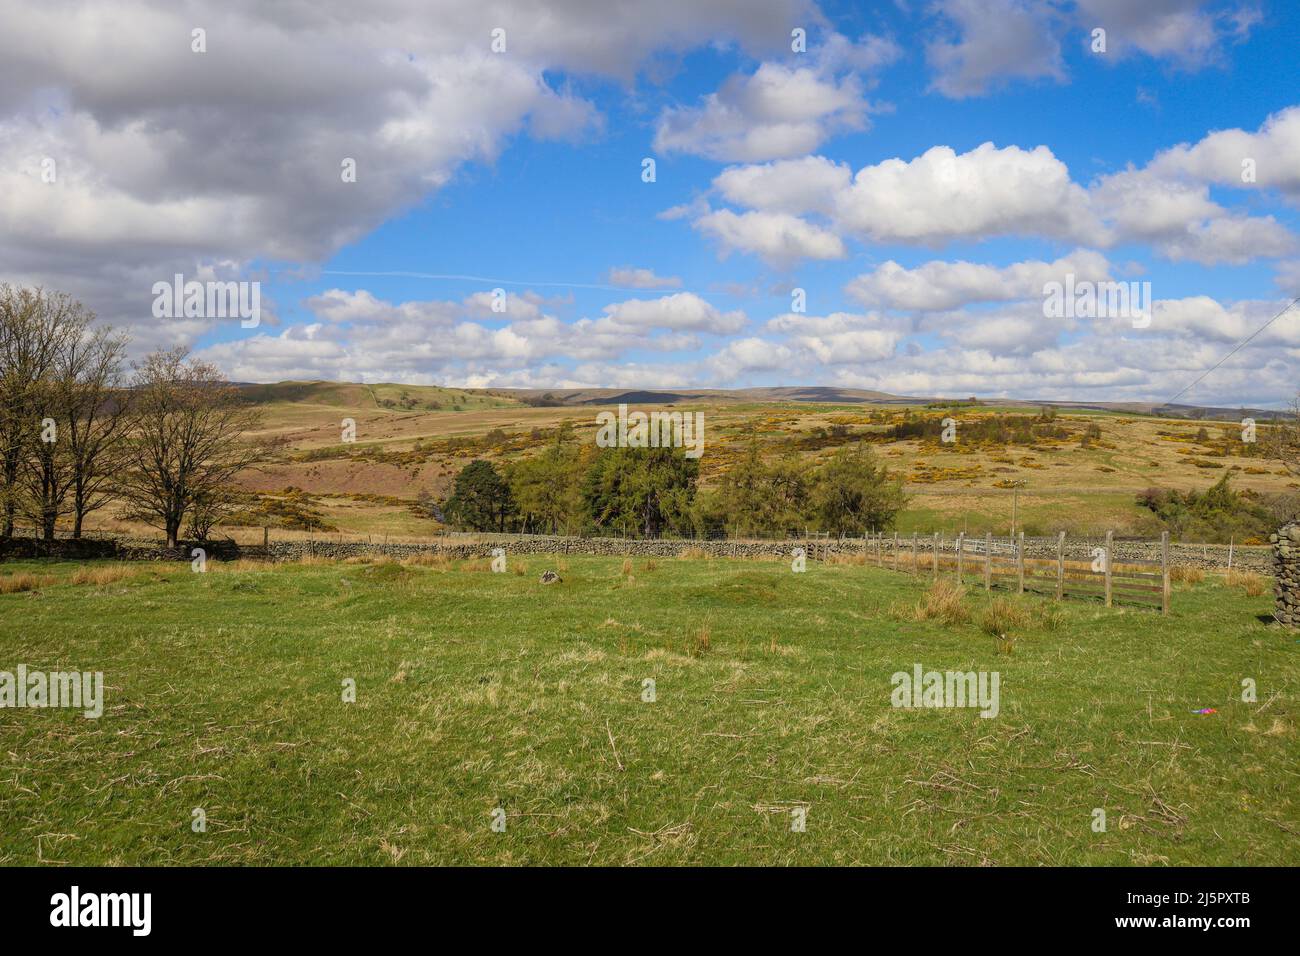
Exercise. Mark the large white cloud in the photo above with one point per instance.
(682, 311)
(793, 186)
(988, 191)
(778, 238)
(782, 109)
(1269, 157)
(942, 196)
(938, 285)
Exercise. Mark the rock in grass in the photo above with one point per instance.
(549, 577)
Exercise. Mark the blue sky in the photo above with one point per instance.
(856, 170)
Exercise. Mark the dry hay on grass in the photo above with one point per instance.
(1186, 574)
(693, 553)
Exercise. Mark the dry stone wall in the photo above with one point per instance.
(1286, 572)
(454, 546)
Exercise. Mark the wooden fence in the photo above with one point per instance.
(1004, 565)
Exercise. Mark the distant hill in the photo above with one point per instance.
(833, 395)
(380, 395)
(417, 398)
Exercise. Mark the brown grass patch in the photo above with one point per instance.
(1004, 616)
(104, 574)
(943, 602)
(25, 581)
(429, 559)
(859, 558)
(699, 642)
(1250, 582)
(1186, 574)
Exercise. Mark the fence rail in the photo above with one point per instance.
(997, 565)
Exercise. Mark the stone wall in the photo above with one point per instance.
(1286, 571)
(477, 546)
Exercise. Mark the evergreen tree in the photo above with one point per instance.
(481, 499)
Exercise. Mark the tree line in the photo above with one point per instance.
(80, 427)
(645, 492)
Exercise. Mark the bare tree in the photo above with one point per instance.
(36, 327)
(1284, 439)
(97, 407)
(187, 438)
(45, 470)
(207, 511)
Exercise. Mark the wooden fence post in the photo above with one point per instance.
(1231, 539)
(1020, 562)
(1110, 540)
(879, 561)
(1060, 566)
(988, 560)
(961, 551)
(935, 552)
(266, 536)
(1164, 572)
(895, 550)
(916, 564)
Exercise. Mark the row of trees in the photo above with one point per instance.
(655, 491)
(77, 429)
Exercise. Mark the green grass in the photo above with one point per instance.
(478, 690)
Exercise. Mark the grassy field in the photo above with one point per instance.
(478, 691)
